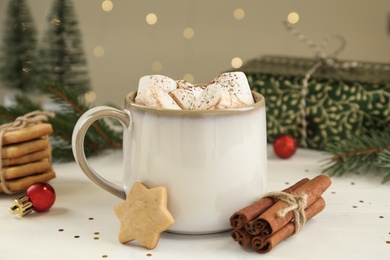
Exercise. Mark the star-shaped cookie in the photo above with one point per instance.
(144, 215)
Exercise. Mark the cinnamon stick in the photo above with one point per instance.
(241, 217)
(268, 223)
(243, 238)
(265, 244)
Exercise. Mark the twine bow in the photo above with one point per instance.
(322, 59)
(296, 204)
(20, 122)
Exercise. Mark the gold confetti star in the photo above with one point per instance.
(144, 215)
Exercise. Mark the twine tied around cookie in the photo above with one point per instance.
(20, 122)
(329, 60)
(296, 204)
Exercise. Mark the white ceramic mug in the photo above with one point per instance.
(212, 162)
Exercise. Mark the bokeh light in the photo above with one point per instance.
(98, 51)
(157, 66)
(293, 17)
(107, 5)
(151, 18)
(236, 62)
(90, 96)
(189, 77)
(188, 33)
(239, 14)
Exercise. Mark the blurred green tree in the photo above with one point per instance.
(60, 58)
(18, 47)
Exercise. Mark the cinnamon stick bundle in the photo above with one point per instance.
(267, 224)
(243, 216)
(268, 229)
(265, 244)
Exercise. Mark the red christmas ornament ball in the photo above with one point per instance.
(42, 196)
(285, 146)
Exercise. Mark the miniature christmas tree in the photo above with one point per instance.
(18, 47)
(61, 58)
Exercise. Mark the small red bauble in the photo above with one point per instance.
(285, 146)
(39, 197)
(42, 196)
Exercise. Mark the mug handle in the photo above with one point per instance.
(78, 136)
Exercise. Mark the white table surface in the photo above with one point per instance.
(354, 225)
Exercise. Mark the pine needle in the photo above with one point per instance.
(369, 152)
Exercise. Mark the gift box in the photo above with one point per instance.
(342, 98)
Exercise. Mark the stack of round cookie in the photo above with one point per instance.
(26, 157)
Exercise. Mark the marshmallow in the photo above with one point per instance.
(216, 97)
(237, 85)
(165, 83)
(155, 96)
(185, 96)
(182, 83)
(228, 90)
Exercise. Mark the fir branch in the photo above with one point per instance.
(22, 106)
(72, 99)
(66, 96)
(100, 136)
(368, 152)
(384, 163)
(384, 158)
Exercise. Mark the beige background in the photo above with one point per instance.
(131, 45)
